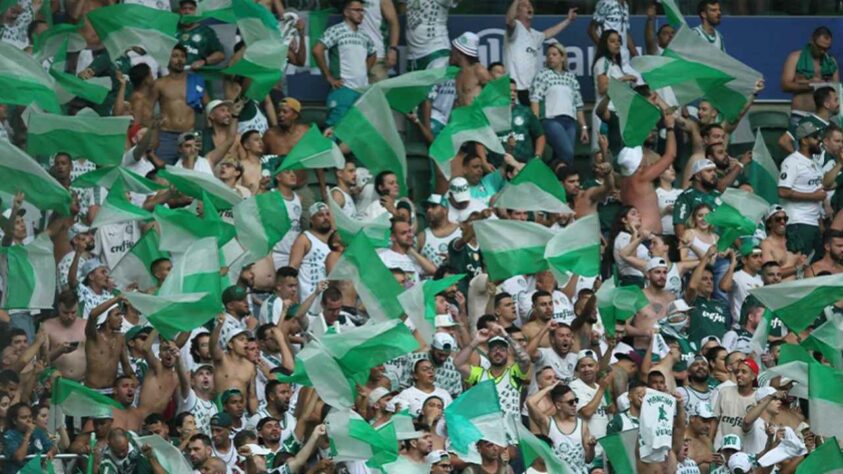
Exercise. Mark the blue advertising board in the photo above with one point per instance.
(763, 43)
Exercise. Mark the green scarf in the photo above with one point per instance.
(805, 65)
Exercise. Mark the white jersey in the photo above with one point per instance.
(112, 241)
(371, 26)
(715, 40)
(667, 199)
(599, 421)
(522, 54)
(393, 259)
(312, 268)
(281, 251)
(743, 282)
(563, 366)
(348, 50)
(348, 208)
(427, 26)
(435, 248)
(202, 410)
(201, 165)
(674, 281)
(804, 175)
(569, 446)
(442, 97)
(413, 399)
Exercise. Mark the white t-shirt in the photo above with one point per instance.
(600, 419)
(667, 198)
(413, 399)
(804, 175)
(141, 166)
(371, 26)
(461, 215)
(427, 26)
(522, 54)
(517, 287)
(625, 269)
(563, 366)
(563, 308)
(112, 241)
(281, 251)
(731, 408)
(202, 165)
(393, 259)
(742, 283)
(348, 50)
(202, 410)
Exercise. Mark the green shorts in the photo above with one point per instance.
(339, 103)
(431, 61)
(804, 239)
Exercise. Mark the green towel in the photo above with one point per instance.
(805, 65)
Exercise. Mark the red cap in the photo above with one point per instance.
(753, 366)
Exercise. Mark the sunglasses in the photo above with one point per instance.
(572, 401)
(780, 219)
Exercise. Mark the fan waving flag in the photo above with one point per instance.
(106, 177)
(575, 249)
(798, 303)
(376, 229)
(825, 400)
(23, 81)
(535, 188)
(85, 135)
(512, 247)
(47, 43)
(737, 216)
(637, 115)
(124, 26)
(136, 265)
(617, 304)
(196, 183)
(20, 173)
(466, 124)
(313, 151)
(762, 172)
(181, 227)
(77, 400)
(31, 276)
(475, 415)
(406, 91)
(687, 80)
(261, 222)
(117, 209)
(496, 103)
(419, 301)
(620, 449)
(93, 90)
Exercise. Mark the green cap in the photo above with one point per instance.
(136, 331)
(749, 245)
(233, 293)
(222, 419)
(232, 392)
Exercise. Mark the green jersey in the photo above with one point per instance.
(708, 318)
(689, 200)
(200, 43)
(465, 260)
(526, 128)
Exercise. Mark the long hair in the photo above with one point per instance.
(618, 226)
(603, 48)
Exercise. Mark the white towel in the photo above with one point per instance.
(656, 426)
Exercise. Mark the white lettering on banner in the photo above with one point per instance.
(714, 317)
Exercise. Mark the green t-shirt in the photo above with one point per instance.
(487, 187)
(689, 200)
(526, 127)
(466, 260)
(708, 318)
(200, 43)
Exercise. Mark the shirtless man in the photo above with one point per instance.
(251, 143)
(473, 75)
(832, 261)
(141, 108)
(585, 201)
(641, 326)
(131, 417)
(65, 334)
(774, 247)
(222, 116)
(342, 192)
(639, 168)
(232, 368)
(698, 435)
(279, 140)
(171, 94)
(105, 346)
(161, 379)
(800, 82)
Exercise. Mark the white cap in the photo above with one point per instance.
(730, 441)
(586, 353)
(702, 165)
(762, 392)
(436, 456)
(629, 159)
(459, 190)
(656, 262)
(231, 335)
(442, 341)
(214, 104)
(740, 461)
(622, 402)
(467, 43)
(317, 207)
(773, 210)
(435, 199)
(678, 306)
(376, 394)
(258, 450)
(445, 321)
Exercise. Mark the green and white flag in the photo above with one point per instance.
(196, 183)
(266, 48)
(466, 124)
(476, 415)
(344, 445)
(75, 399)
(38, 465)
(167, 454)
(827, 339)
(21, 173)
(31, 276)
(106, 177)
(825, 400)
(84, 135)
(730, 98)
(535, 188)
(369, 130)
(762, 172)
(636, 114)
(495, 101)
(419, 302)
(575, 249)
(23, 81)
(313, 151)
(620, 449)
(124, 26)
(406, 91)
(69, 85)
(512, 247)
(687, 80)
(117, 209)
(793, 364)
(798, 303)
(136, 265)
(376, 229)
(618, 303)
(673, 14)
(217, 9)
(375, 284)
(181, 227)
(195, 271)
(737, 216)
(261, 222)
(533, 448)
(47, 44)
(827, 459)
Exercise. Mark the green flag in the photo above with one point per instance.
(575, 249)
(375, 285)
(47, 44)
(419, 302)
(23, 81)
(475, 415)
(345, 446)
(124, 26)
(136, 265)
(617, 304)
(181, 227)
(261, 222)
(406, 91)
(826, 459)
(825, 400)
(376, 229)
(495, 101)
(117, 209)
(687, 79)
(106, 177)
(196, 271)
(535, 188)
(317, 23)
(620, 449)
(167, 454)
(85, 135)
(512, 247)
(533, 448)
(75, 399)
(217, 9)
(196, 183)
(828, 340)
(369, 130)
(798, 303)
(38, 465)
(673, 14)
(762, 172)
(21, 173)
(31, 275)
(637, 115)
(737, 216)
(69, 85)
(466, 124)
(313, 151)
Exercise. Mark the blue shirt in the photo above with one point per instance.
(39, 442)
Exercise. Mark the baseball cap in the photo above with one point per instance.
(436, 456)
(317, 207)
(214, 104)
(222, 419)
(656, 262)
(678, 306)
(445, 321)
(753, 366)
(629, 159)
(702, 410)
(498, 340)
(458, 189)
(199, 367)
(291, 103)
(806, 128)
(740, 463)
(233, 293)
(748, 246)
(631, 356)
(228, 337)
(763, 392)
(443, 341)
(232, 392)
(586, 353)
(376, 394)
(467, 43)
(137, 331)
(432, 200)
(90, 265)
(702, 165)
(185, 137)
(773, 210)
(730, 441)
